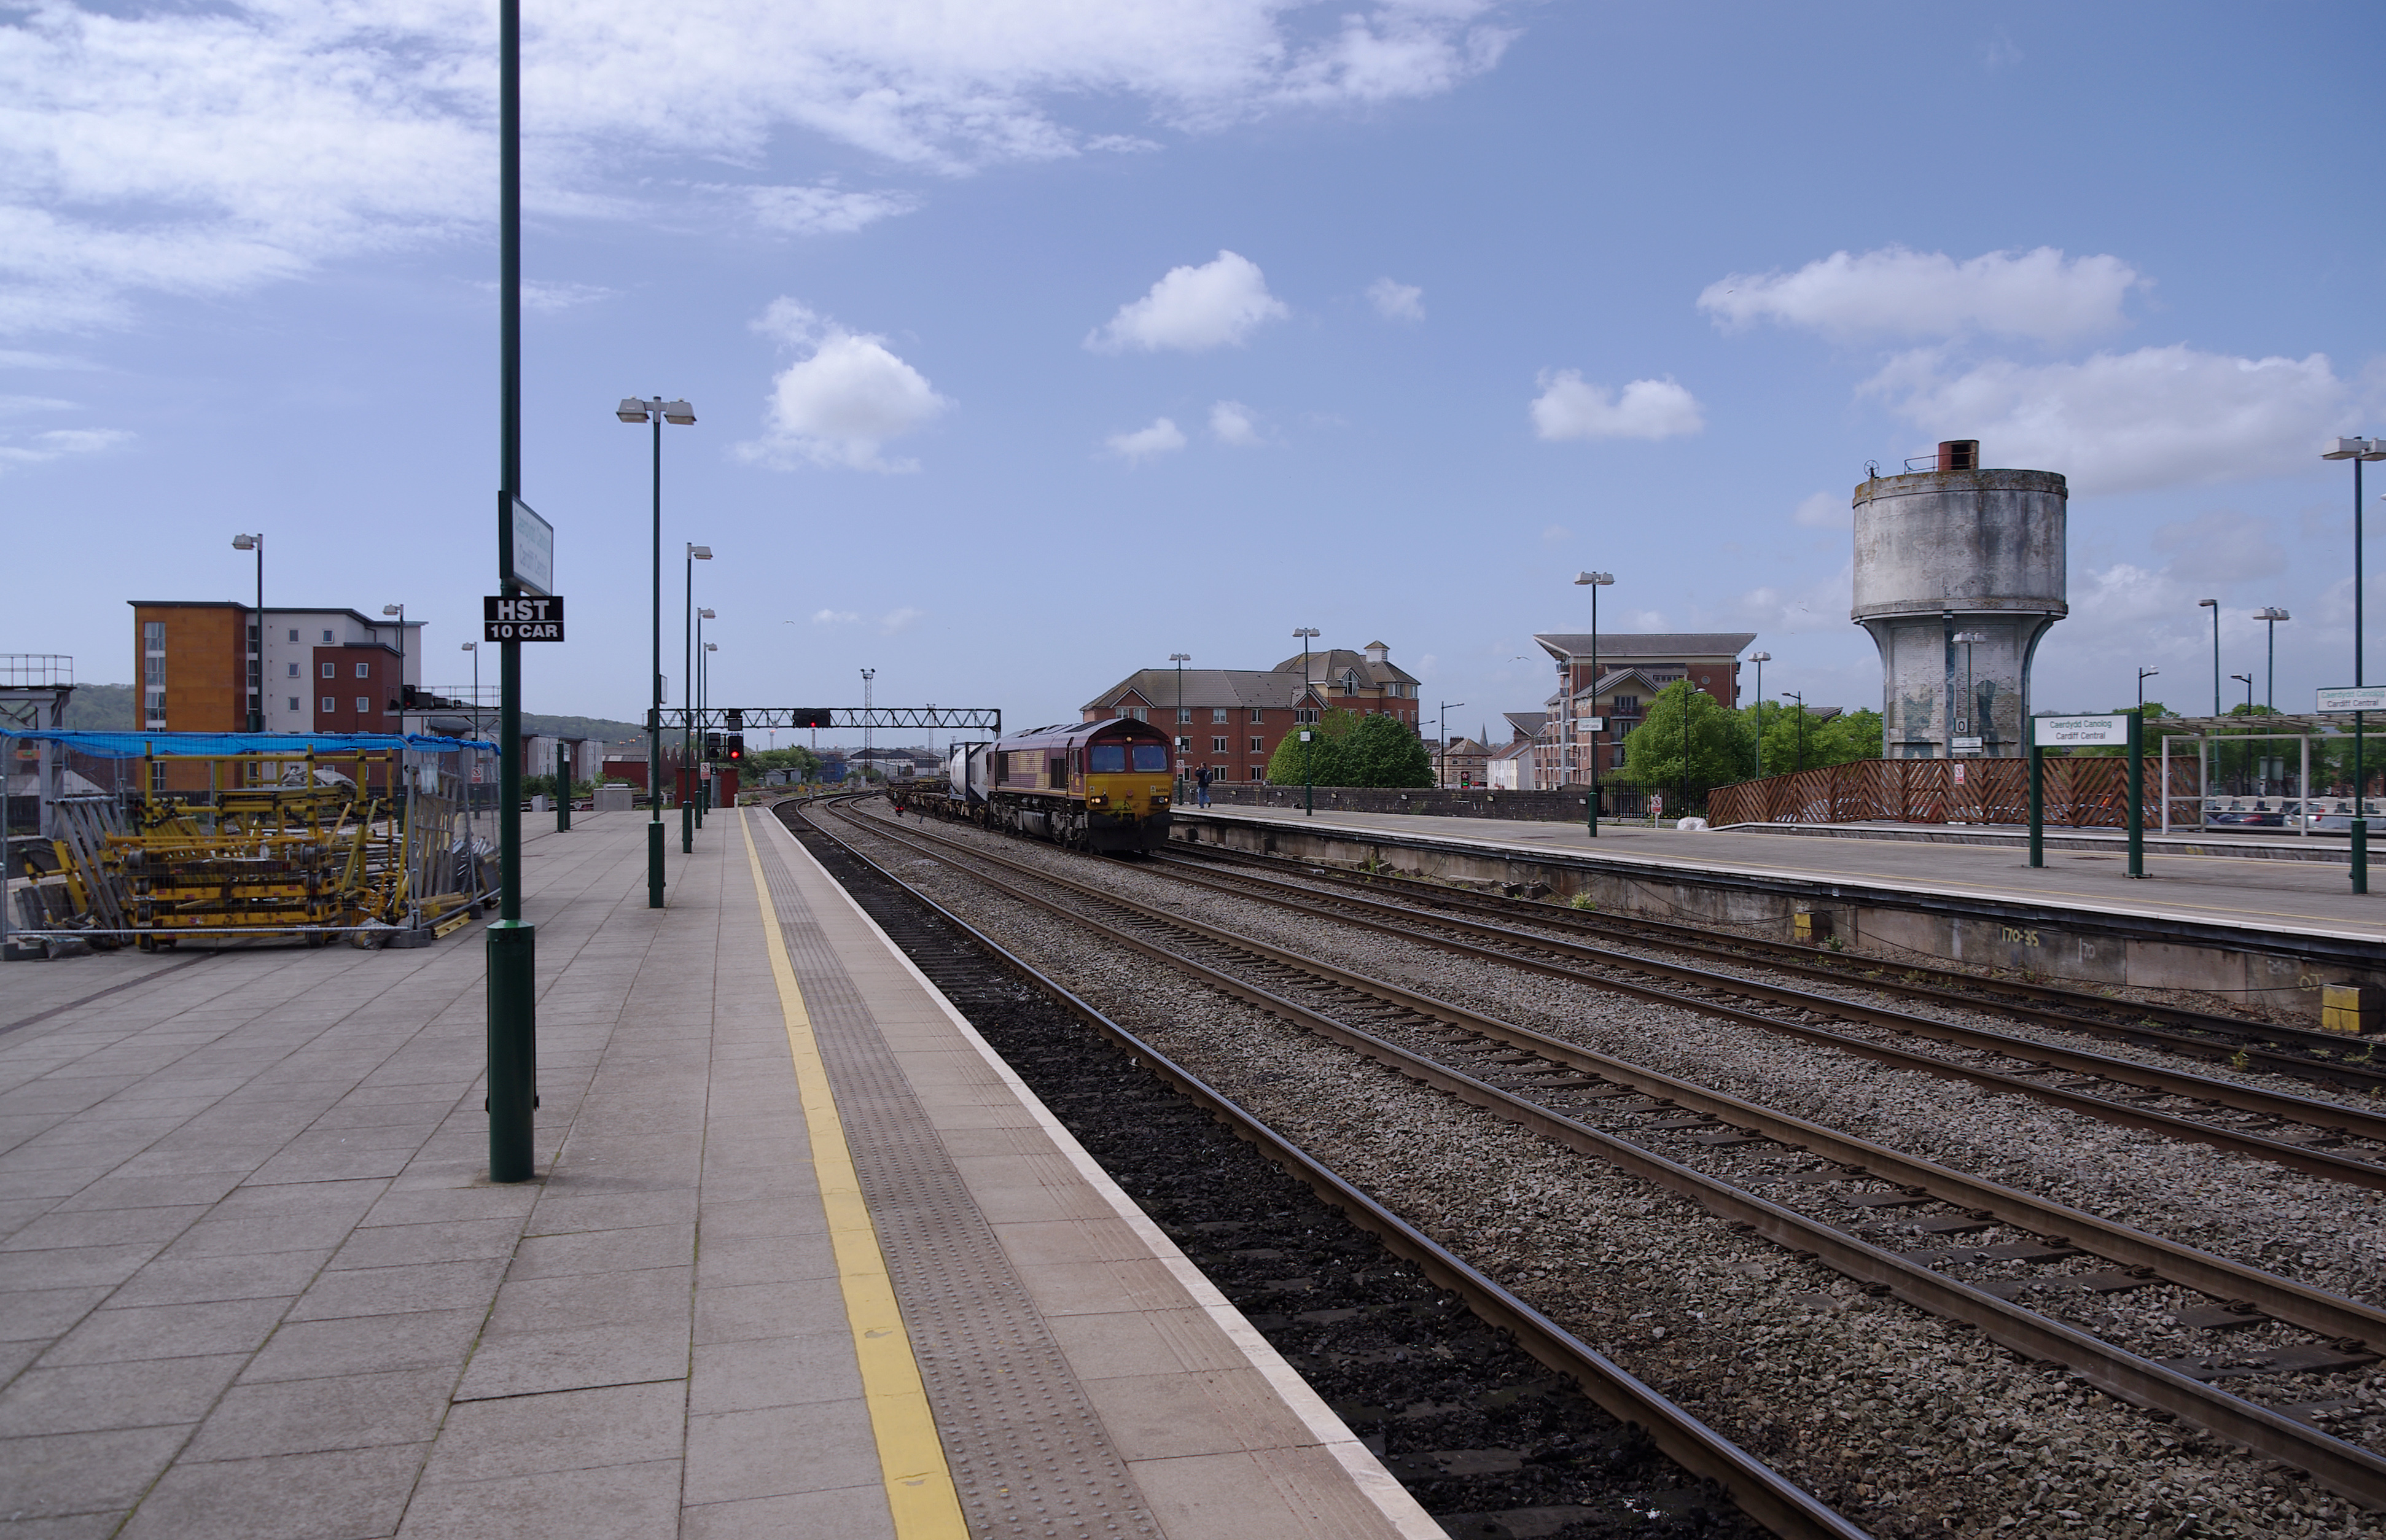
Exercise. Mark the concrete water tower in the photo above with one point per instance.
(1952, 552)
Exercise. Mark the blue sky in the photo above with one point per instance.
(1033, 341)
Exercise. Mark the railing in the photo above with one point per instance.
(2079, 793)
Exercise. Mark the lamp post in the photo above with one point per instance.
(2213, 606)
(1792, 694)
(679, 414)
(1594, 582)
(2358, 450)
(1185, 738)
(687, 691)
(1441, 758)
(1760, 659)
(398, 610)
(2270, 615)
(1308, 787)
(1969, 726)
(257, 681)
(703, 762)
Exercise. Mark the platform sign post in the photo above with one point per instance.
(2037, 804)
(512, 956)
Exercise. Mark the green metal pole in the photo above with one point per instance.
(2036, 801)
(2137, 752)
(655, 712)
(512, 956)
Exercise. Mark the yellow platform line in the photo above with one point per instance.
(911, 1458)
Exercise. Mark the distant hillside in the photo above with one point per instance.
(103, 709)
(115, 709)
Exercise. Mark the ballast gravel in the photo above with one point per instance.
(1909, 1424)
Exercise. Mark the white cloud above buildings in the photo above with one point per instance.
(1231, 422)
(203, 151)
(1192, 309)
(1896, 293)
(1571, 408)
(844, 401)
(1162, 437)
(1396, 301)
(2115, 422)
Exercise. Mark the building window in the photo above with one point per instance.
(1217, 745)
(330, 705)
(328, 672)
(364, 670)
(1259, 746)
(364, 703)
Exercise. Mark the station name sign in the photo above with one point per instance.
(2081, 731)
(2353, 697)
(522, 619)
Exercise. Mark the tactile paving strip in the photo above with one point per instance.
(1029, 1457)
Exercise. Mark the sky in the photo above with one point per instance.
(1032, 341)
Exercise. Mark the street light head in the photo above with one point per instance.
(699, 553)
(245, 542)
(632, 410)
(679, 412)
(1594, 580)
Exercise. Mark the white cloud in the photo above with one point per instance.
(59, 443)
(841, 404)
(1567, 407)
(1215, 305)
(1162, 437)
(1898, 292)
(1824, 511)
(1232, 422)
(834, 616)
(900, 620)
(203, 150)
(2159, 416)
(818, 210)
(1396, 301)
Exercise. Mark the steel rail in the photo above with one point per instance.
(2329, 1116)
(2235, 1036)
(2348, 1469)
(1764, 1493)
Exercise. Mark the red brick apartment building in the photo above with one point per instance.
(203, 667)
(1231, 720)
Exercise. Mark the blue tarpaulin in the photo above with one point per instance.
(292, 745)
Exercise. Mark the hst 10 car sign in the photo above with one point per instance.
(522, 619)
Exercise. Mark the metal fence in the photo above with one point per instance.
(154, 837)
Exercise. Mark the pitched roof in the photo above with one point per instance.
(1652, 644)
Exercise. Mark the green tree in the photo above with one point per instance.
(1348, 749)
(1678, 717)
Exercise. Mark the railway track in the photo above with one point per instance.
(2296, 1131)
(1765, 1495)
(1850, 1211)
(2301, 1051)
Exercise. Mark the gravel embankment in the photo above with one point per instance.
(1897, 1418)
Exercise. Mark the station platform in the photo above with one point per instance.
(803, 1257)
(2200, 879)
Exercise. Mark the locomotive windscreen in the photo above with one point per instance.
(1152, 757)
